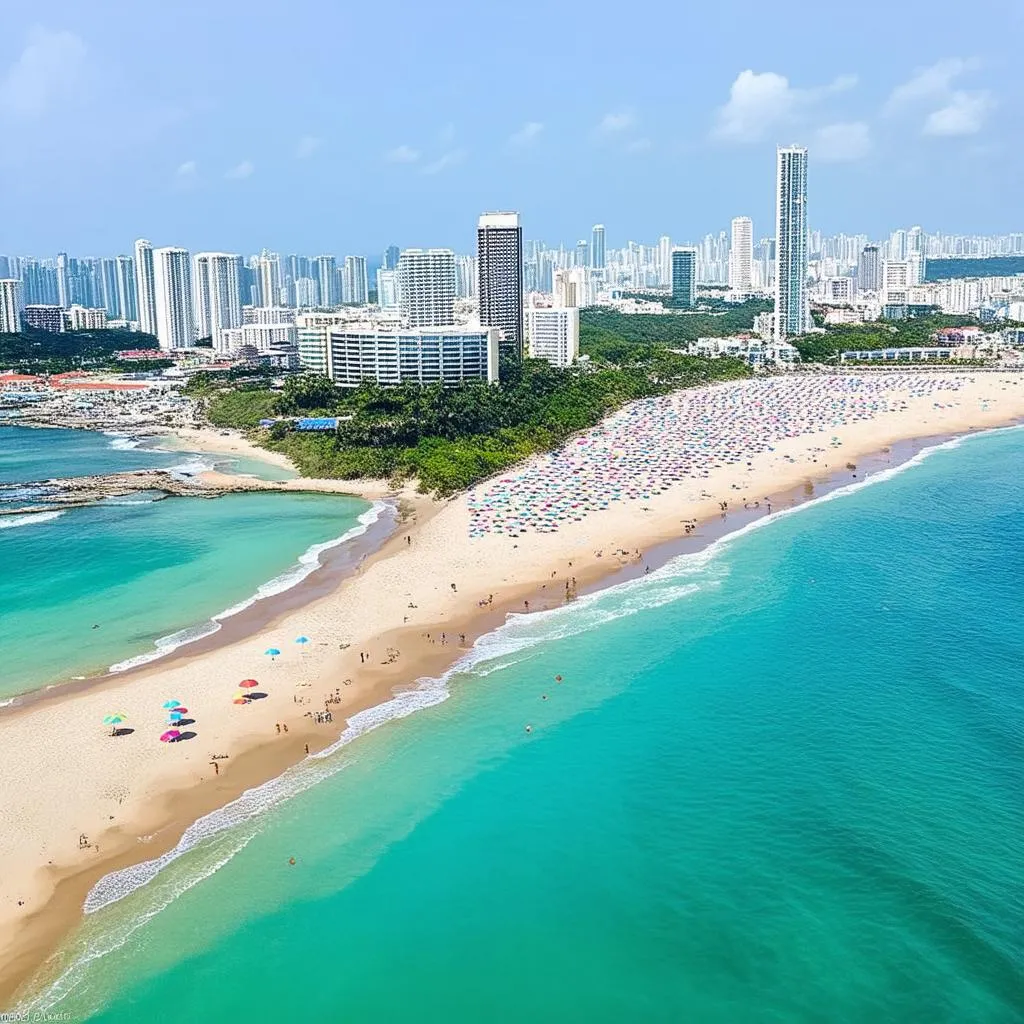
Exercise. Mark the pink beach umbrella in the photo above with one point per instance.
(170, 736)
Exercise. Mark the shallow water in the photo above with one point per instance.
(779, 781)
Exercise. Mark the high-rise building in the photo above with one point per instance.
(499, 250)
(387, 290)
(390, 261)
(554, 334)
(172, 279)
(582, 253)
(465, 277)
(10, 305)
(355, 287)
(327, 278)
(684, 275)
(63, 281)
(145, 286)
(869, 270)
(217, 295)
(426, 287)
(665, 261)
(597, 247)
(307, 293)
(571, 288)
(124, 280)
(896, 280)
(741, 255)
(269, 268)
(791, 307)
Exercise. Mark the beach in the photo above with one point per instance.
(408, 610)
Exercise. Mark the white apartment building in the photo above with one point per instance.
(216, 293)
(172, 278)
(554, 334)
(741, 255)
(446, 355)
(426, 287)
(10, 305)
(145, 286)
(387, 290)
(262, 337)
(571, 288)
(81, 318)
(895, 282)
(312, 334)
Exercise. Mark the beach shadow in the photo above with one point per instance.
(183, 722)
(122, 732)
(186, 736)
(256, 696)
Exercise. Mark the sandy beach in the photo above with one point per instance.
(78, 803)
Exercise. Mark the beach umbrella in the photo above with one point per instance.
(180, 710)
(114, 721)
(171, 704)
(240, 698)
(248, 684)
(272, 651)
(170, 736)
(302, 639)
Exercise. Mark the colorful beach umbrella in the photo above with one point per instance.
(272, 651)
(302, 639)
(248, 684)
(170, 736)
(114, 721)
(171, 704)
(240, 698)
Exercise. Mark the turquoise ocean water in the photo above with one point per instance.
(143, 572)
(782, 780)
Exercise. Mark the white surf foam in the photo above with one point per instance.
(307, 563)
(10, 522)
(122, 442)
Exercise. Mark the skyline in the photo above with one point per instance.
(154, 122)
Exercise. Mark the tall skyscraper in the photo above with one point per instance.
(665, 261)
(582, 253)
(869, 270)
(499, 250)
(10, 305)
(597, 247)
(684, 275)
(387, 290)
(741, 255)
(426, 287)
(390, 261)
(63, 281)
(217, 295)
(327, 278)
(124, 273)
(172, 279)
(791, 309)
(145, 286)
(355, 287)
(269, 268)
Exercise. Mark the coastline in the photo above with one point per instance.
(181, 796)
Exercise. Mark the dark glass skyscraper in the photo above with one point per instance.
(499, 249)
(684, 276)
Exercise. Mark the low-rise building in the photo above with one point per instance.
(554, 334)
(758, 352)
(81, 318)
(44, 318)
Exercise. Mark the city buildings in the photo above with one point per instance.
(554, 334)
(217, 298)
(597, 247)
(355, 289)
(80, 318)
(792, 314)
(741, 255)
(426, 287)
(571, 287)
(387, 290)
(869, 270)
(145, 286)
(684, 276)
(446, 355)
(312, 335)
(499, 250)
(44, 318)
(327, 280)
(10, 305)
(172, 291)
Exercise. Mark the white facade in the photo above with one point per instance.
(262, 337)
(571, 288)
(791, 305)
(269, 270)
(448, 355)
(895, 282)
(307, 293)
(327, 280)
(145, 286)
(426, 287)
(312, 331)
(216, 289)
(80, 318)
(172, 279)
(10, 305)
(837, 290)
(268, 315)
(741, 255)
(554, 334)
(355, 287)
(387, 290)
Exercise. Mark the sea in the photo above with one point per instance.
(779, 780)
(126, 580)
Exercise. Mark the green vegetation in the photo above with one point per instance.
(449, 438)
(35, 351)
(610, 336)
(825, 348)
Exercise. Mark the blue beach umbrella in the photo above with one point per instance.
(302, 639)
(172, 704)
(272, 651)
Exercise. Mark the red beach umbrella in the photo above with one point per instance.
(170, 736)
(248, 684)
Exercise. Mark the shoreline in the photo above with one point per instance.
(256, 762)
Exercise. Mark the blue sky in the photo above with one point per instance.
(312, 126)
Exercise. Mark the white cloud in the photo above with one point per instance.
(443, 162)
(931, 83)
(242, 170)
(307, 146)
(187, 169)
(963, 115)
(527, 134)
(639, 146)
(402, 155)
(49, 67)
(761, 102)
(616, 121)
(843, 141)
